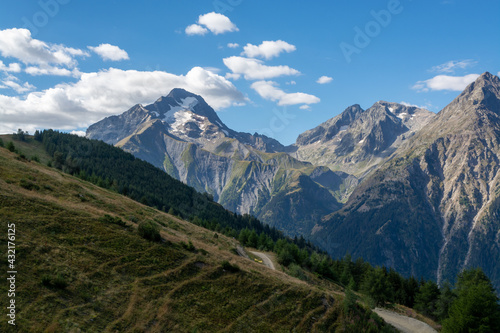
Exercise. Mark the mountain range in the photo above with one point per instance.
(395, 184)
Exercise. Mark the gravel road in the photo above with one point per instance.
(264, 258)
(404, 324)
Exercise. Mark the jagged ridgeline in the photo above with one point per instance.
(113, 168)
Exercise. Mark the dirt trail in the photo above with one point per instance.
(404, 324)
(264, 258)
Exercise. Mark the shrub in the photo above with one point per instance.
(35, 158)
(228, 267)
(11, 147)
(1, 142)
(58, 282)
(114, 220)
(296, 271)
(188, 246)
(150, 231)
(46, 280)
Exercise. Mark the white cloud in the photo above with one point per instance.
(50, 70)
(12, 82)
(445, 82)
(324, 79)
(232, 76)
(291, 83)
(268, 49)
(79, 133)
(427, 106)
(96, 95)
(451, 66)
(110, 52)
(195, 29)
(254, 69)
(269, 90)
(217, 23)
(305, 107)
(212, 69)
(13, 67)
(18, 43)
(233, 45)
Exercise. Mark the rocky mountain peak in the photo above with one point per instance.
(477, 106)
(484, 91)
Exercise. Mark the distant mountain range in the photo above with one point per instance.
(398, 185)
(248, 174)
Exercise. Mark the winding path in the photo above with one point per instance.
(265, 259)
(402, 323)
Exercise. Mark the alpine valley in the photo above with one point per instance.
(395, 184)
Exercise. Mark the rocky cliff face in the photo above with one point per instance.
(246, 173)
(433, 208)
(357, 141)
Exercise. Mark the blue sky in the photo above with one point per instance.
(258, 63)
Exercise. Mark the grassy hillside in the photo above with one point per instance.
(82, 266)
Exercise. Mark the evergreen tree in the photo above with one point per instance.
(376, 286)
(476, 308)
(426, 298)
(444, 301)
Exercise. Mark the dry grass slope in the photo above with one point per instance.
(79, 272)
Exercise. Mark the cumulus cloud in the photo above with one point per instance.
(215, 22)
(18, 43)
(96, 95)
(12, 82)
(269, 90)
(12, 67)
(233, 45)
(445, 82)
(305, 107)
(195, 29)
(110, 52)
(254, 69)
(268, 49)
(451, 66)
(324, 79)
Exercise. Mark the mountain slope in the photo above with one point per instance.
(357, 141)
(184, 136)
(82, 266)
(433, 208)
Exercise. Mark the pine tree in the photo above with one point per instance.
(476, 309)
(426, 298)
(376, 286)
